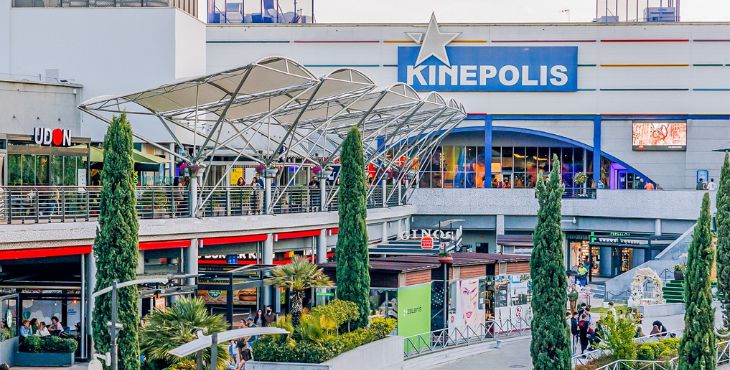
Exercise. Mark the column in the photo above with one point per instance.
(322, 246)
(384, 187)
(228, 192)
(140, 263)
(171, 172)
(193, 195)
(268, 209)
(90, 286)
(407, 222)
(323, 193)
(658, 227)
(597, 150)
(488, 151)
(384, 232)
(499, 230)
(191, 258)
(268, 259)
(399, 229)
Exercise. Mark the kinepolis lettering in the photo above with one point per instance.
(52, 137)
(492, 69)
(433, 66)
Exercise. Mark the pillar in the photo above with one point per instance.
(90, 286)
(407, 222)
(323, 193)
(400, 195)
(399, 229)
(171, 172)
(322, 246)
(658, 227)
(384, 187)
(193, 195)
(499, 230)
(597, 150)
(191, 259)
(268, 209)
(638, 257)
(140, 263)
(384, 232)
(604, 268)
(228, 192)
(488, 151)
(268, 259)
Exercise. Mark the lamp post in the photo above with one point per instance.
(113, 327)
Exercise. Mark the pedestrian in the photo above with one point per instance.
(233, 353)
(269, 317)
(701, 184)
(612, 310)
(583, 325)
(251, 324)
(260, 321)
(573, 298)
(574, 329)
(245, 353)
(711, 185)
(658, 329)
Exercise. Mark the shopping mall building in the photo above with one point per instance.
(624, 107)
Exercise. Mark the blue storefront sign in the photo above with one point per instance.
(492, 68)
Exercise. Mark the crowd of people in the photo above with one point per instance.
(39, 328)
(240, 351)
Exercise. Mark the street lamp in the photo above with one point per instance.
(113, 326)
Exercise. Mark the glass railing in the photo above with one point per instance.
(90, 3)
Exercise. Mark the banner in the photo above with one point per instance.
(414, 315)
(468, 313)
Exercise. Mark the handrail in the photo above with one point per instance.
(443, 339)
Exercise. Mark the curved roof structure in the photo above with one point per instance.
(275, 109)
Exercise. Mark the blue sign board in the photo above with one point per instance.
(492, 68)
(232, 259)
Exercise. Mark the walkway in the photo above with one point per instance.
(510, 355)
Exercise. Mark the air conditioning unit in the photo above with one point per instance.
(660, 14)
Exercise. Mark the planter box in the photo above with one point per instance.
(43, 359)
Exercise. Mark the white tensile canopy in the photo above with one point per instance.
(276, 109)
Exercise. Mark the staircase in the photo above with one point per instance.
(673, 291)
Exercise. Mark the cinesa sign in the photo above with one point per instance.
(52, 137)
(433, 66)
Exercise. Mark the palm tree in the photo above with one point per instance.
(177, 325)
(297, 277)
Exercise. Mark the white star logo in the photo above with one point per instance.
(433, 42)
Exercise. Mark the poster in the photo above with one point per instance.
(659, 136)
(243, 297)
(414, 315)
(469, 313)
(236, 173)
(512, 302)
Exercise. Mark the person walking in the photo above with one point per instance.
(583, 332)
(574, 330)
(270, 317)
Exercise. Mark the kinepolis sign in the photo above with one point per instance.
(435, 67)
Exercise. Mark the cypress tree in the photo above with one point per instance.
(353, 279)
(550, 347)
(722, 223)
(697, 347)
(115, 246)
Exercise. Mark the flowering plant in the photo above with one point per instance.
(316, 170)
(260, 168)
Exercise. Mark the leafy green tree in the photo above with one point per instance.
(167, 329)
(722, 222)
(697, 347)
(353, 278)
(115, 246)
(297, 277)
(550, 347)
(619, 332)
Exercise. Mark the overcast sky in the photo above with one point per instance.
(487, 11)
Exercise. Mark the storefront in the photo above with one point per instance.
(48, 157)
(610, 254)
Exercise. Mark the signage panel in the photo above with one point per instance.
(492, 68)
(659, 136)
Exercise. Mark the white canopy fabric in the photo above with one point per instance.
(275, 109)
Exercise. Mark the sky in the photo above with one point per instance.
(487, 11)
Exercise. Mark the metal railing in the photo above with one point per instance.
(443, 339)
(46, 204)
(89, 3)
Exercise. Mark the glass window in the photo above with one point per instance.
(449, 165)
(578, 159)
(41, 169)
(520, 180)
(507, 159)
(479, 167)
(531, 164)
(56, 170)
(543, 156)
(435, 161)
(496, 159)
(28, 170)
(567, 160)
(519, 159)
(15, 169)
(69, 171)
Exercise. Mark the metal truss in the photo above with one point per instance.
(276, 109)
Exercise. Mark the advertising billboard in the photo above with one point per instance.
(414, 316)
(659, 136)
(469, 314)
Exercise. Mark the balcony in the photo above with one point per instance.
(52, 204)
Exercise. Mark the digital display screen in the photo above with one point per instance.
(659, 136)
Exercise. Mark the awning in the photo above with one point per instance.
(97, 155)
(515, 240)
(142, 161)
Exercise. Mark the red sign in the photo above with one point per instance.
(426, 242)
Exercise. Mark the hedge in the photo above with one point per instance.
(48, 344)
(282, 349)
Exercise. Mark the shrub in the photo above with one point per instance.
(49, 344)
(283, 349)
(338, 310)
(5, 333)
(646, 352)
(619, 337)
